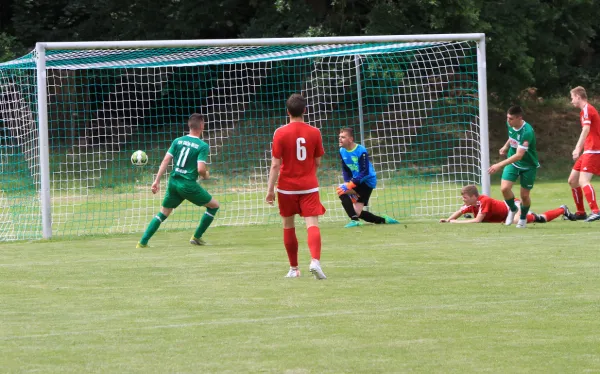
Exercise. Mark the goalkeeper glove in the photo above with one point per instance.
(354, 198)
(345, 187)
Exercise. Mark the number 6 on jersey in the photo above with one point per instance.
(300, 149)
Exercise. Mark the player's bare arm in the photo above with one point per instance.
(454, 215)
(203, 170)
(162, 169)
(504, 148)
(514, 158)
(477, 219)
(273, 176)
(579, 147)
(318, 162)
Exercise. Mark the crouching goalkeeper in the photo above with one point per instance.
(360, 180)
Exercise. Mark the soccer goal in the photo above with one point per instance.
(72, 114)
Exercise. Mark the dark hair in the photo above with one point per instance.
(196, 121)
(348, 130)
(515, 110)
(296, 105)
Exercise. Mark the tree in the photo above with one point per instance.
(549, 44)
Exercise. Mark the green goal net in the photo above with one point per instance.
(414, 105)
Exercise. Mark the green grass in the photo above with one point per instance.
(128, 207)
(415, 297)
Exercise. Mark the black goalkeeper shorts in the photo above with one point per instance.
(364, 193)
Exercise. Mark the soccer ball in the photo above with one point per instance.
(139, 158)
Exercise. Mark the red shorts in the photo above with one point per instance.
(306, 205)
(588, 163)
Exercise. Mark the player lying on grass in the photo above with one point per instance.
(486, 209)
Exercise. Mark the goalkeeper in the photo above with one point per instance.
(360, 180)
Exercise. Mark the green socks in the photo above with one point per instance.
(159, 218)
(511, 204)
(206, 220)
(152, 227)
(524, 211)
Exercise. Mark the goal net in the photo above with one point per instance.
(414, 105)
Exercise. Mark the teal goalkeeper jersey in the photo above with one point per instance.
(357, 167)
(187, 152)
(517, 139)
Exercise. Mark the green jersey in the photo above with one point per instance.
(187, 152)
(517, 139)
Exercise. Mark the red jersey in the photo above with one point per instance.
(495, 210)
(589, 117)
(297, 144)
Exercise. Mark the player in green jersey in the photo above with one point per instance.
(521, 163)
(189, 154)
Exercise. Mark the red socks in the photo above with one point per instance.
(314, 242)
(554, 213)
(550, 215)
(578, 198)
(290, 241)
(590, 196)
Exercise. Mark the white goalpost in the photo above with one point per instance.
(72, 113)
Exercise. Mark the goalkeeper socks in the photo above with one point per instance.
(290, 241)
(206, 220)
(578, 198)
(314, 242)
(590, 196)
(370, 217)
(524, 211)
(152, 227)
(349, 207)
(511, 205)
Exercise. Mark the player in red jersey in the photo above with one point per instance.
(486, 209)
(296, 155)
(588, 163)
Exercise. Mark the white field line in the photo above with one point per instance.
(243, 321)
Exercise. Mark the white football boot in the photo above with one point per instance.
(315, 269)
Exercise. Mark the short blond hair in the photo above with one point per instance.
(470, 190)
(579, 91)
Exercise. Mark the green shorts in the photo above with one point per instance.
(180, 189)
(526, 176)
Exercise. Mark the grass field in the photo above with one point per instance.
(415, 297)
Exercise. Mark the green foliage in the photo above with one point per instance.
(54, 20)
(9, 47)
(531, 43)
